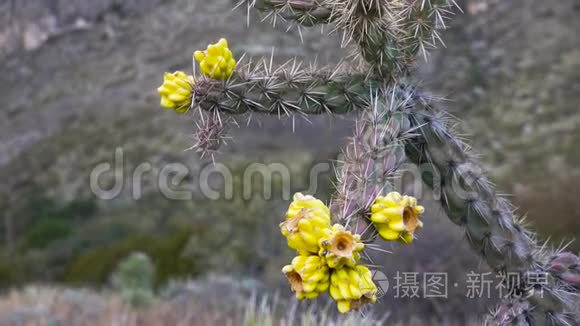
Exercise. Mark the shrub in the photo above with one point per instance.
(134, 277)
(95, 266)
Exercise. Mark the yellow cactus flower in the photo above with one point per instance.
(176, 91)
(307, 219)
(340, 247)
(396, 217)
(309, 276)
(216, 61)
(352, 287)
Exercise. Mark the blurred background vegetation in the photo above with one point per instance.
(78, 80)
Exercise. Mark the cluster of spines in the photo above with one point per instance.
(210, 132)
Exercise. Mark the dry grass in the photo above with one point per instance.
(211, 301)
(217, 301)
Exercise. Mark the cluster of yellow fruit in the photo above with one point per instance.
(327, 256)
(176, 91)
(216, 61)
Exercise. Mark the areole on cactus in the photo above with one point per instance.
(396, 123)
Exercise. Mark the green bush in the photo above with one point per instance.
(133, 278)
(95, 266)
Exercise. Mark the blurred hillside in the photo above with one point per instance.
(79, 80)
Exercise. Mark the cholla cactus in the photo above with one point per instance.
(397, 123)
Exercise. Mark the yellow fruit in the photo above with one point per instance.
(340, 247)
(308, 276)
(352, 287)
(216, 61)
(176, 91)
(396, 217)
(307, 220)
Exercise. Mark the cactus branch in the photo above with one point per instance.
(284, 90)
(371, 159)
(491, 226)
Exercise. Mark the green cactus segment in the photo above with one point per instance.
(283, 91)
(468, 197)
(304, 12)
(466, 194)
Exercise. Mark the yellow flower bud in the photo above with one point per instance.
(308, 276)
(340, 247)
(307, 219)
(352, 287)
(216, 61)
(176, 91)
(396, 217)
